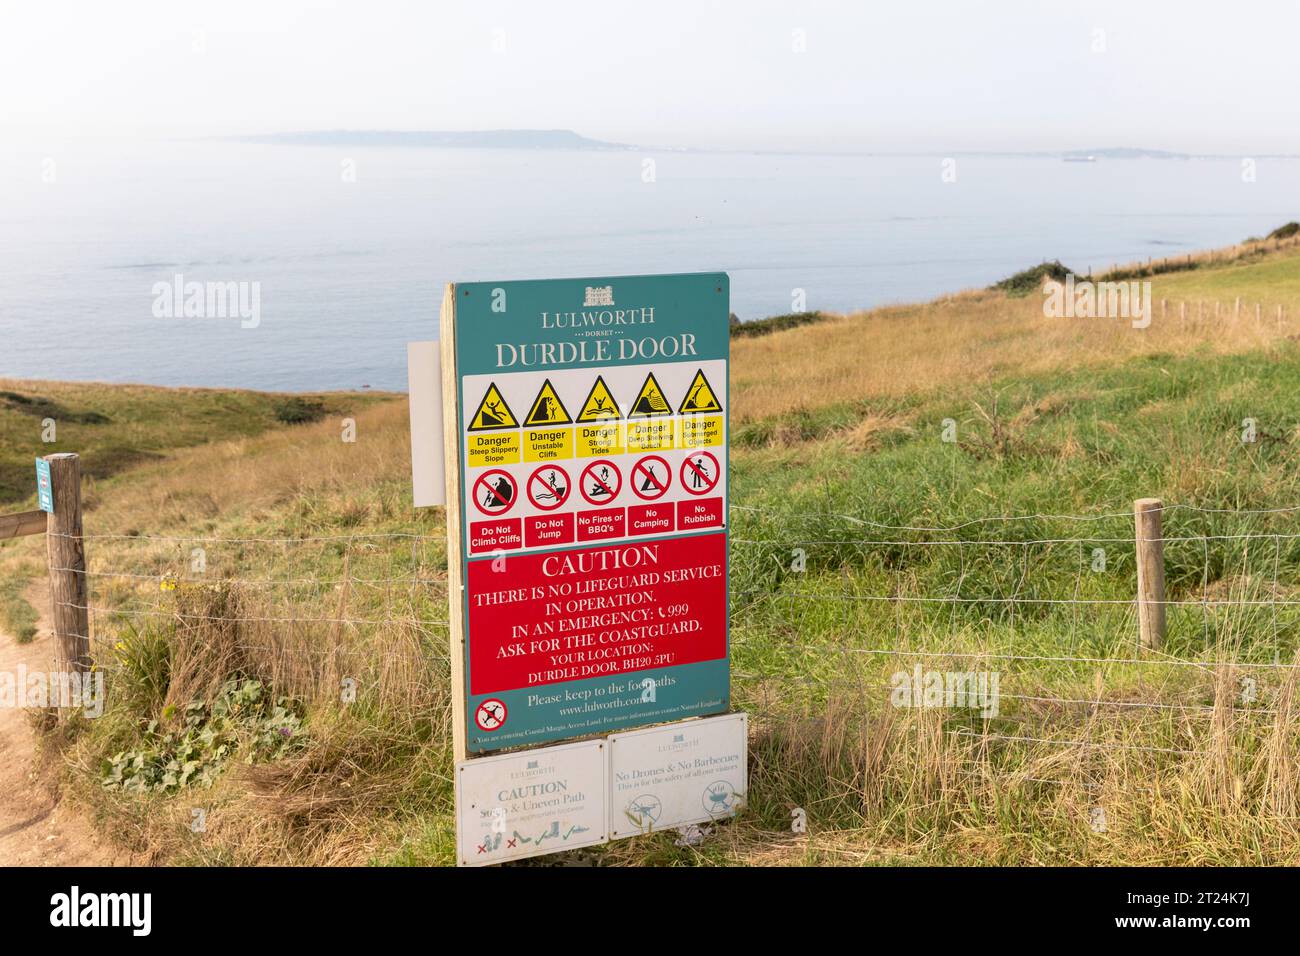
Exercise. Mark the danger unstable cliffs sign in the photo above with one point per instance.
(587, 504)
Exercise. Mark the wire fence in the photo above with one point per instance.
(829, 610)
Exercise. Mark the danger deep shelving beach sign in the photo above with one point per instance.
(586, 437)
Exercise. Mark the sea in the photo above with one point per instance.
(344, 252)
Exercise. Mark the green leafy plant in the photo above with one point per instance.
(243, 719)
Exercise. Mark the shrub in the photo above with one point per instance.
(299, 411)
(1031, 280)
(39, 407)
(774, 323)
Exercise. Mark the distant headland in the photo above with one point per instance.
(441, 139)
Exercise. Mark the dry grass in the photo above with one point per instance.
(879, 784)
(974, 337)
(196, 488)
(291, 604)
(872, 430)
(362, 763)
(902, 787)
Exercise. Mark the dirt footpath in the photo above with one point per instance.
(35, 829)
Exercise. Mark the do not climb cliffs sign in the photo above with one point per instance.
(586, 441)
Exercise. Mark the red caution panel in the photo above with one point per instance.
(591, 612)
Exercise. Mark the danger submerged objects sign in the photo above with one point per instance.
(587, 503)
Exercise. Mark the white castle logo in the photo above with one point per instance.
(599, 295)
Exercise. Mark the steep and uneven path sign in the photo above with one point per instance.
(587, 461)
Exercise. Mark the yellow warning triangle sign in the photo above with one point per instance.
(547, 408)
(493, 412)
(600, 405)
(699, 397)
(650, 400)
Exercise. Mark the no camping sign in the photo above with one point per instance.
(586, 439)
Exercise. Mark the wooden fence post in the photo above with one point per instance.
(1147, 514)
(67, 555)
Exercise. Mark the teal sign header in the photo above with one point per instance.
(575, 323)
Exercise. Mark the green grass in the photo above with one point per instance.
(116, 427)
(17, 616)
(1270, 281)
(806, 643)
(842, 540)
(1086, 443)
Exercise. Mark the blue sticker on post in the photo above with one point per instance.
(44, 490)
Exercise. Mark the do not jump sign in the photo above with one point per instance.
(548, 487)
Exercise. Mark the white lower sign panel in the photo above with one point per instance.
(530, 803)
(693, 771)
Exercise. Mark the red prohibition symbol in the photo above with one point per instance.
(600, 482)
(651, 477)
(548, 487)
(700, 473)
(494, 492)
(490, 714)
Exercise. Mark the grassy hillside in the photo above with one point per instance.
(116, 428)
(892, 354)
(855, 526)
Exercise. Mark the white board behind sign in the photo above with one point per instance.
(692, 771)
(526, 804)
(424, 385)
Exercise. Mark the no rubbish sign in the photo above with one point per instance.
(583, 613)
(700, 473)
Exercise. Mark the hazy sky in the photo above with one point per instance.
(945, 75)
